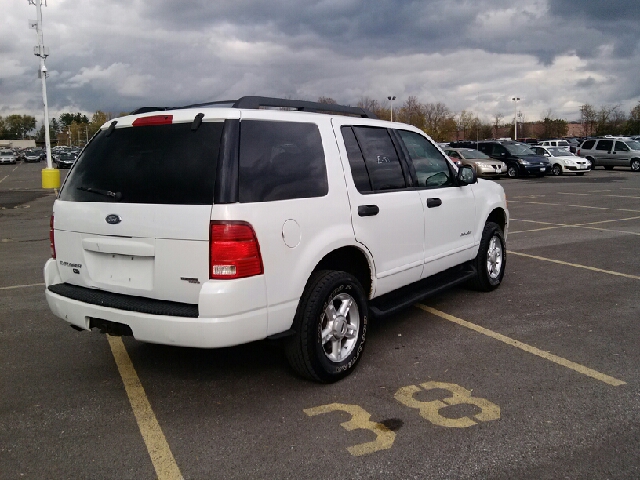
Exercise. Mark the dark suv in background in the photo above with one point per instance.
(521, 160)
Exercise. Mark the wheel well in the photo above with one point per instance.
(351, 260)
(498, 216)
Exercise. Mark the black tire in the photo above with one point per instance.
(556, 170)
(635, 165)
(307, 351)
(512, 171)
(580, 174)
(487, 280)
(593, 162)
(608, 167)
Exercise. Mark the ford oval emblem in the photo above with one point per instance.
(113, 219)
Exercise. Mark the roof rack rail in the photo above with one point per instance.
(253, 102)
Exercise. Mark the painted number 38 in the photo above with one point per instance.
(360, 418)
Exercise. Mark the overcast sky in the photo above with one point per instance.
(117, 55)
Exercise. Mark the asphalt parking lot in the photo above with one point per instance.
(538, 379)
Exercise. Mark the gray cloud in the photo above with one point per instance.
(119, 55)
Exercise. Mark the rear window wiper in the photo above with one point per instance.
(117, 196)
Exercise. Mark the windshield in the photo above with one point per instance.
(471, 153)
(519, 149)
(633, 144)
(559, 152)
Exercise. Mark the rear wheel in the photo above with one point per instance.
(556, 169)
(635, 165)
(330, 327)
(491, 259)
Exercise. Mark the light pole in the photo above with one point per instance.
(391, 99)
(515, 119)
(50, 176)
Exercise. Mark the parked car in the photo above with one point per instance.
(611, 152)
(65, 160)
(482, 164)
(33, 155)
(563, 161)
(7, 156)
(210, 227)
(519, 157)
(554, 143)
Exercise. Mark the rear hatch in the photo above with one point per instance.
(134, 212)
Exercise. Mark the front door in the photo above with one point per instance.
(449, 210)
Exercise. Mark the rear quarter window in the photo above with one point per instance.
(588, 145)
(280, 161)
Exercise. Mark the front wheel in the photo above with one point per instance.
(512, 171)
(635, 165)
(330, 327)
(491, 260)
(556, 170)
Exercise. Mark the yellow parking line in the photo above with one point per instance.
(157, 446)
(594, 269)
(527, 348)
(11, 287)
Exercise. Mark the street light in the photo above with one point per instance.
(515, 119)
(50, 176)
(391, 99)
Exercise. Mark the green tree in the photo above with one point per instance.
(554, 128)
(18, 126)
(66, 119)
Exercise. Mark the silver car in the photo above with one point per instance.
(7, 156)
(611, 152)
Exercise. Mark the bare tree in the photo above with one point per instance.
(588, 119)
(497, 122)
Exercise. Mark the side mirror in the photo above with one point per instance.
(466, 176)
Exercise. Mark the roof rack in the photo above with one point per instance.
(261, 102)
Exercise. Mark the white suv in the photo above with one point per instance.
(220, 224)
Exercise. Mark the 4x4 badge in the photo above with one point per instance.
(113, 219)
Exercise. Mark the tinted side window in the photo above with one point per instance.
(485, 148)
(432, 169)
(356, 161)
(280, 160)
(621, 147)
(157, 164)
(380, 157)
(588, 145)
(604, 145)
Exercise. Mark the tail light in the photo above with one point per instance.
(153, 120)
(578, 152)
(52, 241)
(234, 251)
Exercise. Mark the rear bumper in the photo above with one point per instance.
(200, 331)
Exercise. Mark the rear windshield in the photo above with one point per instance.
(161, 164)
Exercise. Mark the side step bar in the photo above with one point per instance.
(393, 302)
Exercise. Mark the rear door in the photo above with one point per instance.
(133, 214)
(603, 152)
(386, 212)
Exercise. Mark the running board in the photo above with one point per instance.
(393, 302)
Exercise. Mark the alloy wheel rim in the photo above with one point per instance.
(340, 327)
(494, 257)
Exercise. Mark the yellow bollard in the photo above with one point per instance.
(50, 178)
